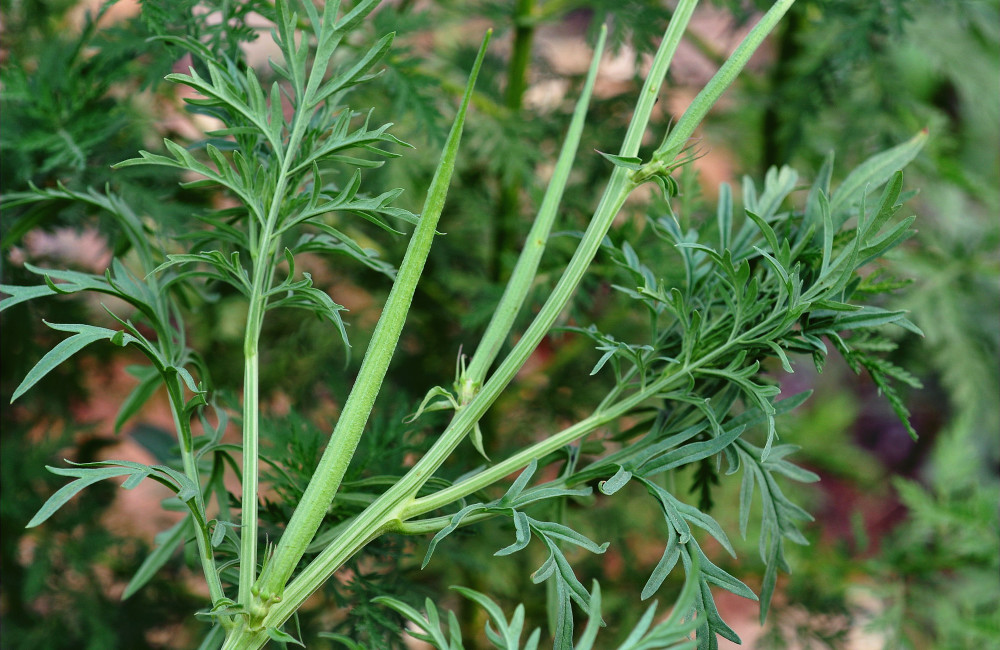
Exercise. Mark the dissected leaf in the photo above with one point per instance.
(83, 336)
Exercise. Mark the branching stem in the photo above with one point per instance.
(183, 427)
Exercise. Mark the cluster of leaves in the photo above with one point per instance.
(222, 27)
(823, 53)
(555, 568)
(57, 104)
(673, 633)
(780, 284)
(929, 68)
(757, 296)
(61, 595)
(272, 154)
(325, 133)
(62, 121)
(947, 553)
(236, 100)
(67, 106)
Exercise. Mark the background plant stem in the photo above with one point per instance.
(777, 141)
(508, 205)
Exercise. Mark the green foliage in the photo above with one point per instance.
(671, 634)
(919, 68)
(74, 559)
(948, 552)
(688, 349)
(221, 27)
(46, 108)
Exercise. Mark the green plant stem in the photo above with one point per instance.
(248, 497)
(677, 137)
(520, 58)
(263, 272)
(617, 191)
(263, 255)
(777, 144)
(434, 524)
(264, 251)
(531, 254)
(182, 421)
(183, 427)
(610, 410)
(524, 457)
(389, 511)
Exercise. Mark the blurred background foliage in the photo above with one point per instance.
(905, 546)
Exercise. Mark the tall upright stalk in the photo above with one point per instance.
(508, 205)
(264, 261)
